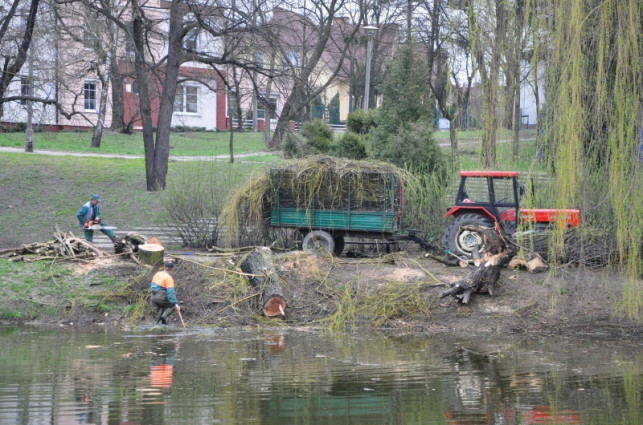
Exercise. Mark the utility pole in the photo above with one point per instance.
(370, 30)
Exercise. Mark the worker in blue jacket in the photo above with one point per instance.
(89, 214)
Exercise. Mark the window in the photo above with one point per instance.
(90, 95)
(292, 59)
(187, 99)
(90, 41)
(130, 49)
(191, 40)
(503, 191)
(272, 106)
(259, 58)
(232, 105)
(24, 89)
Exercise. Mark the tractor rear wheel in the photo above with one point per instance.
(463, 242)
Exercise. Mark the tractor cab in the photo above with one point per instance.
(492, 199)
(493, 194)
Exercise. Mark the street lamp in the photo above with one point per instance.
(370, 30)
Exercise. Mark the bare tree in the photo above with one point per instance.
(16, 33)
(312, 30)
(436, 35)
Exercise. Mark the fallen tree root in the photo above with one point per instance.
(485, 275)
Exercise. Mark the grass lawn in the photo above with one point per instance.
(527, 157)
(193, 143)
(39, 191)
(473, 135)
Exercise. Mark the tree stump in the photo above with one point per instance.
(258, 263)
(151, 254)
(487, 271)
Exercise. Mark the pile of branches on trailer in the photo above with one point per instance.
(63, 247)
(315, 182)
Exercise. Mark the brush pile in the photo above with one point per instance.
(63, 247)
(316, 182)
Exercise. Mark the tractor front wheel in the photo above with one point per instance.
(463, 242)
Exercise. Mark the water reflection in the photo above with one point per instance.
(296, 377)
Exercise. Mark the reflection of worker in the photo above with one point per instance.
(84, 399)
(162, 369)
(89, 214)
(161, 374)
(163, 294)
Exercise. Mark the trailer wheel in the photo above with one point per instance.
(462, 242)
(339, 245)
(319, 242)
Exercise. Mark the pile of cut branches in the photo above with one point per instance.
(63, 247)
(315, 182)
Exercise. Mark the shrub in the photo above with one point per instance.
(412, 146)
(294, 146)
(351, 145)
(361, 122)
(194, 198)
(426, 197)
(318, 135)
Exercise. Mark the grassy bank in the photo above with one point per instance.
(193, 143)
(396, 291)
(38, 191)
(48, 289)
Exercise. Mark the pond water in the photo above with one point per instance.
(284, 377)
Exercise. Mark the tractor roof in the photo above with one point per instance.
(489, 173)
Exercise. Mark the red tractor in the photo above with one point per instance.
(490, 199)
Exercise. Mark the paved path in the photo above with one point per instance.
(123, 156)
(204, 158)
(468, 142)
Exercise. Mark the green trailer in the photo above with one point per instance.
(360, 204)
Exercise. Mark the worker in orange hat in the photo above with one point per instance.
(163, 294)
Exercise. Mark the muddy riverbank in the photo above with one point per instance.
(398, 291)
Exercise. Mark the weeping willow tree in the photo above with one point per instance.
(593, 123)
(487, 21)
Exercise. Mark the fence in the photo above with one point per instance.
(168, 235)
(337, 128)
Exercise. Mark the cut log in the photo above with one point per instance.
(258, 263)
(535, 265)
(120, 245)
(151, 254)
(517, 263)
(154, 240)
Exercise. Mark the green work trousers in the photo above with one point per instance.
(89, 234)
(162, 307)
